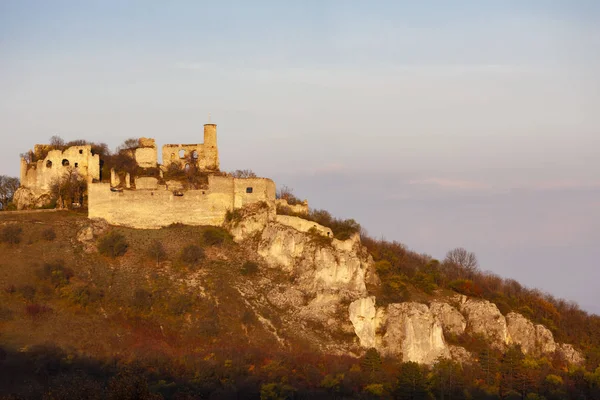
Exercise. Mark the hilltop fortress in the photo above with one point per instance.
(151, 195)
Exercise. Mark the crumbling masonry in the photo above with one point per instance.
(150, 200)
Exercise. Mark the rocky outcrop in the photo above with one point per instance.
(569, 354)
(412, 332)
(453, 322)
(88, 234)
(460, 354)
(319, 277)
(26, 198)
(534, 339)
(484, 318)
(363, 316)
(250, 221)
(334, 266)
(328, 276)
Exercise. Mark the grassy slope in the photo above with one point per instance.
(127, 306)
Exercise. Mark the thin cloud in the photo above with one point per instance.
(451, 183)
(566, 184)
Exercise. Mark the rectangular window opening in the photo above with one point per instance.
(248, 190)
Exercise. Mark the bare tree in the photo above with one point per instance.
(465, 260)
(57, 142)
(8, 187)
(129, 146)
(69, 190)
(243, 173)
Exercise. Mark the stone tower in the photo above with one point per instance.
(211, 151)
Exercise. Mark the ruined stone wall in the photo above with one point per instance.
(41, 174)
(206, 157)
(146, 156)
(206, 154)
(148, 208)
(252, 190)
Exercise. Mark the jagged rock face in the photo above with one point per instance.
(256, 217)
(363, 316)
(337, 267)
(569, 354)
(414, 333)
(26, 198)
(485, 319)
(412, 330)
(452, 320)
(534, 339)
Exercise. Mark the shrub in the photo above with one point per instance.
(318, 239)
(249, 268)
(56, 272)
(233, 216)
(156, 251)
(343, 229)
(28, 292)
(35, 310)
(85, 295)
(11, 234)
(383, 267)
(216, 236)
(466, 287)
(286, 193)
(142, 299)
(48, 234)
(113, 244)
(192, 254)
(180, 304)
(10, 289)
(394, 289)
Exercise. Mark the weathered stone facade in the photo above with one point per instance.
(147, 201)
(40, 175)
(153, 206)
(206, 154)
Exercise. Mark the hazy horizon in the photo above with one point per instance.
(466, 125)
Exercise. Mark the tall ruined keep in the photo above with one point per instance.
(150, 195)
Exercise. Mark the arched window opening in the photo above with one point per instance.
(195, 155)
(48, 164)
(80, 151)
(65, 162)
(76, 165)
(186, 168)
(181, 153)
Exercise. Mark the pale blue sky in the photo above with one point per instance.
(438, 124)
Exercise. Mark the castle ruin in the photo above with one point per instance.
(150, 197)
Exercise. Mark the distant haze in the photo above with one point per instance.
(438, 124)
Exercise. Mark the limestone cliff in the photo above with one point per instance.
(413, 333)
(416, 332)
(325, 283)
(534, 339)
(320, 275)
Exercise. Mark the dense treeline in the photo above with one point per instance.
(233, 372)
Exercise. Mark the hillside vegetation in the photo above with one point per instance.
(150, 314)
